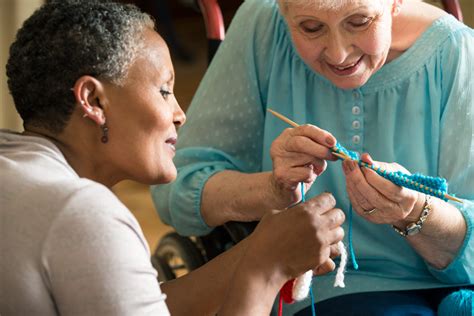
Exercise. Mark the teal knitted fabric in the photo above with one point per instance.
(434, 186)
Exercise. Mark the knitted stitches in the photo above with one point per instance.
(434, 186)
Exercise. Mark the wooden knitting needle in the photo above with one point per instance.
(341, 155)
(287, 120)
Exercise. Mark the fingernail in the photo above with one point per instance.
(330, 141)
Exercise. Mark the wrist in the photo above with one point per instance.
(414, 226)
(262, 265)
(415, 212)
(280, 196)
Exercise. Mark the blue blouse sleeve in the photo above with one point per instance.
(456, 158)
(224, 129)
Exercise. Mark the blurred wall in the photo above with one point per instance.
(14, 12)
(12, 15)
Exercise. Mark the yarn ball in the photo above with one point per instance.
(459, 303)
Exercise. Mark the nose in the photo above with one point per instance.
(178, 115)
(337, 49)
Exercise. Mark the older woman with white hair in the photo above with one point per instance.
(391, 78)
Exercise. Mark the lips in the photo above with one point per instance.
(172, 142)
(347, 69)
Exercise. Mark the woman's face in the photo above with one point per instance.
(346, 45)
(142, 116)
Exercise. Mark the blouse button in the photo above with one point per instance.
(356, 124)
(356, 139)
(356, 94)
(356, 110)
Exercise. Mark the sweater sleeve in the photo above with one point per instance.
(456, 158)
(225, 125)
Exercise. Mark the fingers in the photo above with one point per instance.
(290, 181)
(303, 169)
(324, 268)
(378, 187)
(317, 134)
(321, 203)
(363, 193)
(365, 157)
(334, 218)
(385, 187)
(335, 251)
(303, 144)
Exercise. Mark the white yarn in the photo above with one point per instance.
(339, 281)
(301, 286)
(303, 282)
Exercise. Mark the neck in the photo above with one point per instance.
(85, 157)
(415, 18)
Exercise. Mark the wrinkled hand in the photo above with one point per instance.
(367, 190)
(299, 239)
(299, 155)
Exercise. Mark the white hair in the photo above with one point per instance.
(318, 4)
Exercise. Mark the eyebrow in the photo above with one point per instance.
(168, 76)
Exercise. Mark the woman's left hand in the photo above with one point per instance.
(377, 199)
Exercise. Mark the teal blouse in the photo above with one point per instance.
(417, 110)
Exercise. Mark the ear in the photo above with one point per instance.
(88, 92)
(397, 7)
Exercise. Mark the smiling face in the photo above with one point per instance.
(142, 115)
(346, 44)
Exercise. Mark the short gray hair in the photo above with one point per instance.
(64, 40)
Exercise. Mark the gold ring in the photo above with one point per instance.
(370, 211)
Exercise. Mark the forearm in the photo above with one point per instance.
(203, 291)
(235, 196)
(442, 235)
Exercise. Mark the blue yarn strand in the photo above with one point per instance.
(303, 198)
(313, 308)
(351, 247)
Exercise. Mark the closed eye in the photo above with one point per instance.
(165, 93)
(360, 22)
(311, 27)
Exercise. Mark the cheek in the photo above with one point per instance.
(376, 42)
(308, 50)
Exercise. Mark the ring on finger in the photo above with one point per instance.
(368, 212)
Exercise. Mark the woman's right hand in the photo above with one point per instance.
(293, 241)
(299, 155)
(283, 246)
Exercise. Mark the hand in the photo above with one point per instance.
(305, 237)
(299, 155)
(367, 191)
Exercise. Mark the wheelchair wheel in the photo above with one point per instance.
(175, 256)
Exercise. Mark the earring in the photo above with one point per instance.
(397, 9)
(105, 133)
